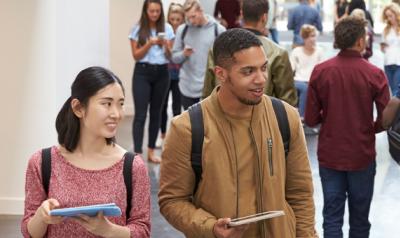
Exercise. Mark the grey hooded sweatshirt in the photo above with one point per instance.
(200, 38)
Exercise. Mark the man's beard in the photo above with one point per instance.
(244, 101)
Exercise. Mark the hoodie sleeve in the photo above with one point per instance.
(177, 49)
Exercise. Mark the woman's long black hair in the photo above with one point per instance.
(86, 84)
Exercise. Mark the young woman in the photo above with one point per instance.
(390, 45)
(150, 42)
(340, 10)
(370, 34)
(176, 16)
(303, 59)
(87, 167)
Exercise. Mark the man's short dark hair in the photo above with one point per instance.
(230, 42)
(348, 31)
(254, 9)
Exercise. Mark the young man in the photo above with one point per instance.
(244, 169)
(192, 42)
(280, 82)
(346, 147)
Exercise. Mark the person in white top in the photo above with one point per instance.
(303, 59)
(390, 45)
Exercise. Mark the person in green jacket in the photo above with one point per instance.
(280, 82)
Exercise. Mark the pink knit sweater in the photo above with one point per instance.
(73, 186)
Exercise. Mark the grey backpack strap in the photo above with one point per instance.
(283, 123)
(46, 168)
(127, 171)
(196, 120)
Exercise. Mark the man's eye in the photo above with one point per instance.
(264, 68)
(247, 71)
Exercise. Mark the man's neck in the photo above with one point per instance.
(254, 26)
(231, 106)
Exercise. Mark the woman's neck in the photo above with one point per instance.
(309, 50)
(152, 25)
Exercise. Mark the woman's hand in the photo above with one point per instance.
(43, 212)
(98, 225)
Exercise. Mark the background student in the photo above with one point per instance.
(150, 43)
(176, 17)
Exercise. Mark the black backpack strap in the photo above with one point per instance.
(184, 32)
(128, 161)
(283, 123)
(196, 120)
(46, 168)
(216, 30)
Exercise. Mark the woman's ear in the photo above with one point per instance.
(77, 108)
(220, 73)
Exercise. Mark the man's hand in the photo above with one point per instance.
(221, 229)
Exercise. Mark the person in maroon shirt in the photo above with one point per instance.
(228, 12)
(341, 94)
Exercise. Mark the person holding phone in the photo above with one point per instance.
(87, 167)
(244, 168)
(192, 42)
(390, 45)
(151, 40)
(176, 17)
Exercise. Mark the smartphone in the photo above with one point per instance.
(254, 218)
(161, 35)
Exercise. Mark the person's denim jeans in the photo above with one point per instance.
(301, 87)
(393, 75)
(150, 86)
(188, 101)
(176, 104)
(358, 187)
(274, 35)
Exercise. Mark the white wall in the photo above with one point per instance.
(44, 44)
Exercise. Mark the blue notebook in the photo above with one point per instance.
(109, 209)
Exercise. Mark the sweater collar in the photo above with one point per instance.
(257, 33)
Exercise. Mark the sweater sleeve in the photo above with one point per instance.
(299, 185)
(381, 99)
(139, 220)
(313, 113)
(177, 182)
(177, 50)
(34, 191)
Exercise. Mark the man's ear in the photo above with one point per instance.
(77, 108)
(220, 73)
(264, 18)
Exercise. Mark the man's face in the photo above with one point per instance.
(194, 16)
(246, 78)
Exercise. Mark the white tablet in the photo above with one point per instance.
(254, 218)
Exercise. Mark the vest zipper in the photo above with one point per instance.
(271, 166)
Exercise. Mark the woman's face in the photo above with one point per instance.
(175, 19)
(153, 11)
(311, 40)
(103, 112)
(391, 17)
